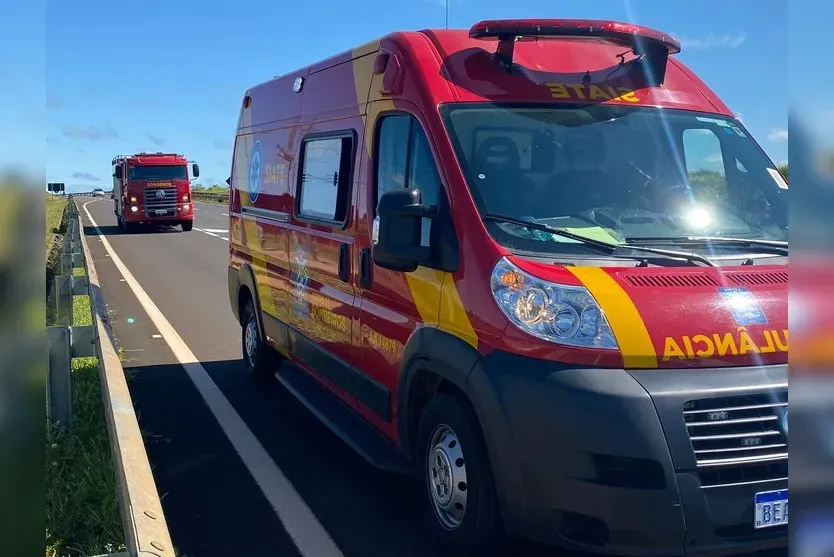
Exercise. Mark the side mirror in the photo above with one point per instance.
(398, 240)
(195, 170)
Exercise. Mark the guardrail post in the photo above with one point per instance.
(63, 300)
(59, 385)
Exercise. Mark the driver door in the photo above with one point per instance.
(393, 303)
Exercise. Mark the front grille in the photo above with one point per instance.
(154, 203)
(738, 440)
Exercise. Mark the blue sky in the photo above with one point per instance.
(169, 76)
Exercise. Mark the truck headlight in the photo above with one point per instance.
(185, 206)
(185, 197)
(132, 199)
(134, 208)
(556, 313)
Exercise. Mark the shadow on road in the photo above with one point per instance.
(113, 230)
(214, 506)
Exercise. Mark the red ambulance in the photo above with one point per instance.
(540, 266)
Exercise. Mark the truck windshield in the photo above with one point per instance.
(158, 172)
(619, 174)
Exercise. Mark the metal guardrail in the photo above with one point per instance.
(81, 194)
(145, 529)
(197, 195)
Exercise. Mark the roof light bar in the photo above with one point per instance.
(647, 43)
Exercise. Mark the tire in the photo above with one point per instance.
(187, 225)
(260, 359)
(478, 530)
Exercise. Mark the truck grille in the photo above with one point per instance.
(167, 202)
(738, 440)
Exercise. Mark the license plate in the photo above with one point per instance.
(770, 509)
(161, 212)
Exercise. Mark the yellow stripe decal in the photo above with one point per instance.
(425, 285)
(627, 325)
(438, 303)
(453, 316)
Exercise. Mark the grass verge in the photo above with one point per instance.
(82, 511)
(54, 215)
(197, 194)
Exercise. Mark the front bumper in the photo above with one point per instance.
(603, 460)
(145, 214)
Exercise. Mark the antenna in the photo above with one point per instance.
(447, 14)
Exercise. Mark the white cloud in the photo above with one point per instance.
(713, 41)
(778, 134)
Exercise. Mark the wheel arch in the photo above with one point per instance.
(433, 361)
(246, 289)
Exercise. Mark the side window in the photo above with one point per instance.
(422, 170)
(705, 167)
(324, 182)
(392, 157)
(405, 160)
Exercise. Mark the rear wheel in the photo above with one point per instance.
(261, 360)
(187, 225)
(455, 487)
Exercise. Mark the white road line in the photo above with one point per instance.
(310, 537)
(210, 232)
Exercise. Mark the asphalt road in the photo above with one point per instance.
(209, 470)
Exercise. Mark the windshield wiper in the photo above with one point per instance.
(769, 246)
(599, 245)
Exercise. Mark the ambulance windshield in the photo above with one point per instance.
(618, 174)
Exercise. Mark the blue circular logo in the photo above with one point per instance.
(255, 164)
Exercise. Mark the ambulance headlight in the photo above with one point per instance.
(557, 313)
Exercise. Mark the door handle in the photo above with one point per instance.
(365, 265)
(344, 263)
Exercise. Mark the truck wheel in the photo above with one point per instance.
(187, 225)
(261, 360)
(455, 487)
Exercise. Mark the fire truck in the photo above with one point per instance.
(153, 189)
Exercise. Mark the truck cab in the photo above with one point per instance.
(539, 266)
(153, 189)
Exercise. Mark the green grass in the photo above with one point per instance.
(54, 212)
(82, 510)
(215, 189)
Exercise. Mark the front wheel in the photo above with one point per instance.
(455, 487)
(187, 225)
